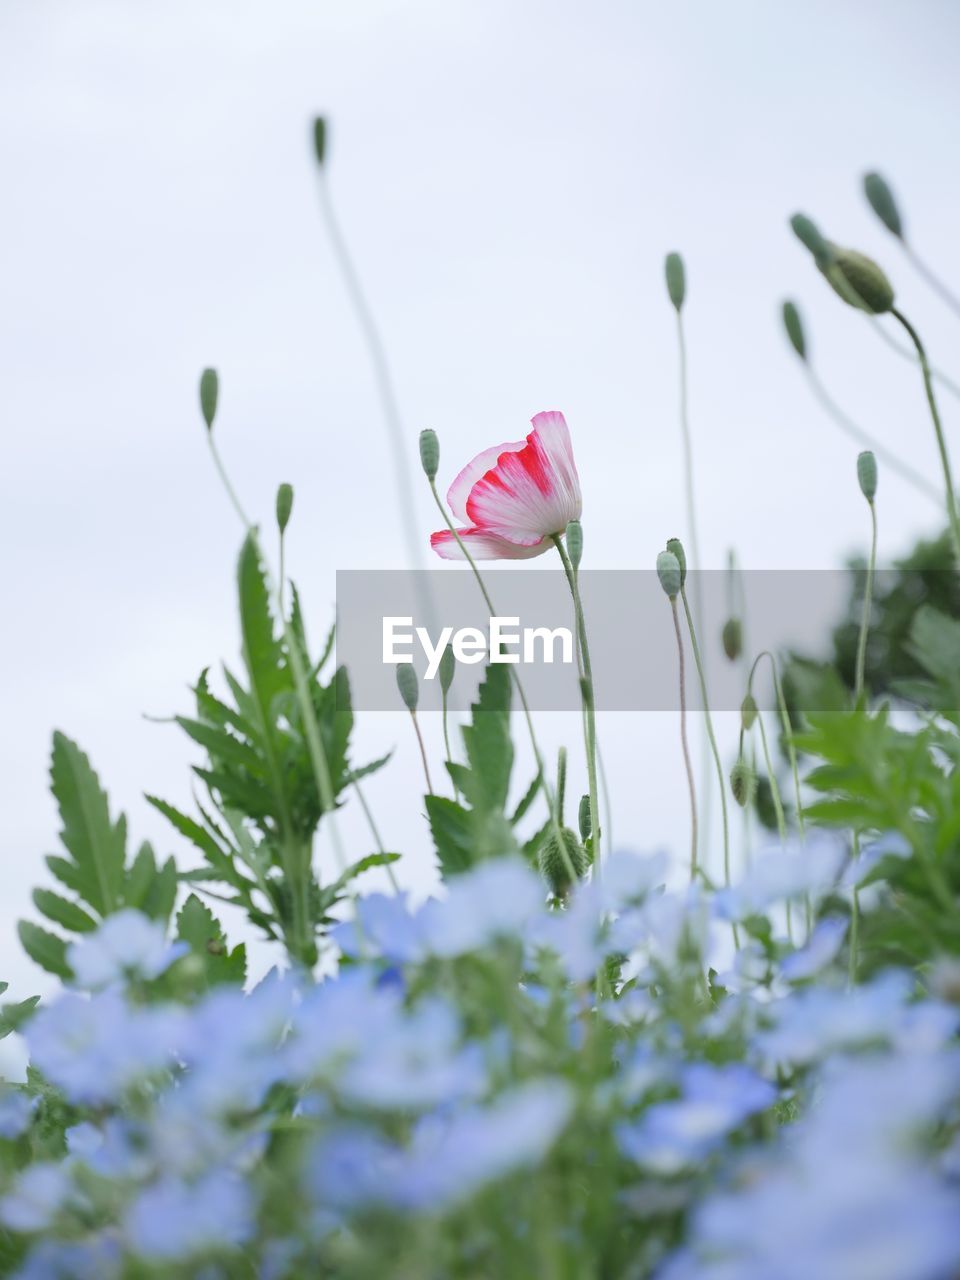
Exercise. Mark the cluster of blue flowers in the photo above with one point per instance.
(725, 1117)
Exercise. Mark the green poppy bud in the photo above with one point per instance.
(859, 281)
(882, 203)
(748, 712)
(732, 638)
(743, 783)
(808, 233)
(408, 685)
(429, 453)
(583, 818)
(448, 666)
(284, 506)
(320, 140)
(669, 573)
(209, 394)
(575, 542)
(676, 279)
(553, 865)
(867, 474)
(675, 547)
(794, 327)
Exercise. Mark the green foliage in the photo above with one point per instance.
(201, 931)
(263, 803)
(96, 869)
(479, 827)
(12, 1016)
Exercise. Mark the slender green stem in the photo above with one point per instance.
(403, 482)
(708, 720)
(446, 737)
(787, 729)
(589, 710)
(855, 432)
(374, 831)
(225, 481)
(938, 428)
(683, 739)
(538, 757)
(690, 495)
(867, 606)
(934, 281)
(777, 804)
(423, 751)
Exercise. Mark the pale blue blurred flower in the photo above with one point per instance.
(16, 1110)
(127, 945)
(175, 1220)
(499, 898)
(674, 1135)
(388, 928)
(575, 935)
(38, 1195)
(627, 878)
(335, 1022)
(96, 1259)
(417, 1062)
(94, 1049)
(821, 949)
(890, 845)
(782, 872)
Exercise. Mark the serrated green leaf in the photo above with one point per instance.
(452, 831)
(198, 836)
(222, 747)
(97, 845)
(63, 912)
(158, 901)
(46, 949)
(364, 771)
(199, 928)
(13, 1016)
(527, 800)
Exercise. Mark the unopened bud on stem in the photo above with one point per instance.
(284, 506)
(867, 474)
(408, 685)
(882, 203)
(794, 327)
(669, 573)
(429, 453)
(676, 279)
(209, 394)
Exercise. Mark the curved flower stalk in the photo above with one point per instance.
(513, 498)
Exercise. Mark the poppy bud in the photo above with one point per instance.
(583, 818)
(743, 783)
(209, 394)
(408, 685)
(748, 712)
(808, 233)
(448, 666)
(732, 638)
(320, 139)
(882, 203)
(575, 542)
(284, 506)
(675, 547)
(794, 327)
(669, 573)
(429, 453)
(553, 864)
(867, 474)
(859, 281)
(676, 279)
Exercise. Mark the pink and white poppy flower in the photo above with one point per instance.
(513, 497)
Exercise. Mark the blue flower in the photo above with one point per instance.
(499, 898)
(127, 945)
(387, 928)
(96, 1259)
(16, 1111)
(40, 1192)
(174, 1220)
(791, 870)
(821, 949)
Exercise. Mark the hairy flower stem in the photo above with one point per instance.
(855, 432)
(446, 737)
(708, 721)
(777, 803)
(423, 751)
(683, 739)
(538, 757)
(938, 428)
(858, 688)
(589, 709)
(377, 838)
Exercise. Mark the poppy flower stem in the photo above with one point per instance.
(938, 429)
(586, 691)
(708, 721)
(423, 751)
(683, 738)
(537, 755)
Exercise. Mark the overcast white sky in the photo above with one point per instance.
(509, 175)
